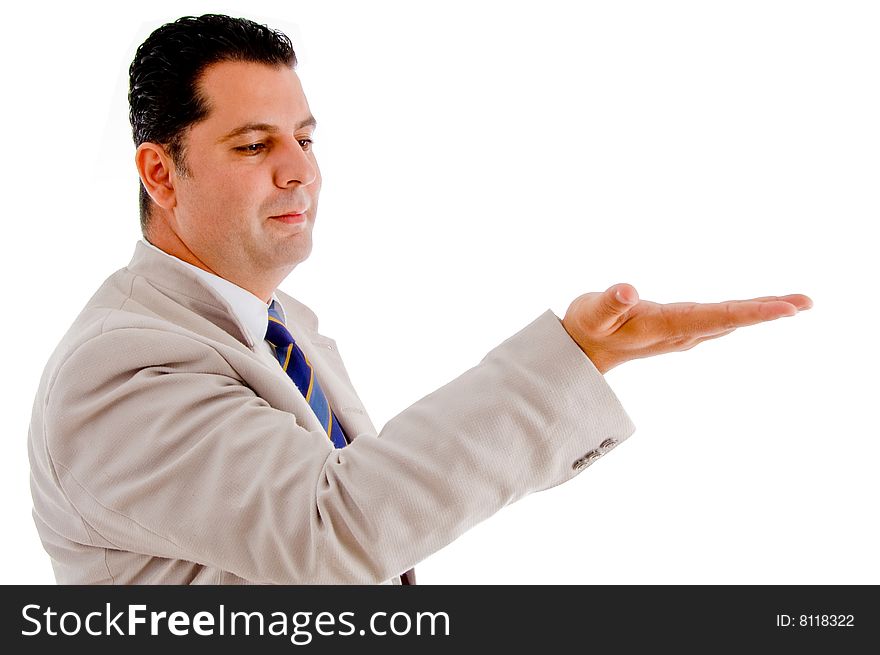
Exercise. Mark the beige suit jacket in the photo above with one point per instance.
(164, 450)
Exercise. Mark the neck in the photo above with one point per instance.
(164, 238)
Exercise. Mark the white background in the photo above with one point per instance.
(486, 161)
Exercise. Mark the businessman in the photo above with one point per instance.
(194, 426)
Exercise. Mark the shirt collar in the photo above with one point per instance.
(250, 310)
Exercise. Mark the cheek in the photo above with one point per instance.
(207, 206)
(228, 195)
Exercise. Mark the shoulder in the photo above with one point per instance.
(115, 336)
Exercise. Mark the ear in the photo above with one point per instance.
(155, 167)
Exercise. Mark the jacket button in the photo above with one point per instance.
(586, 460)
(607, 444)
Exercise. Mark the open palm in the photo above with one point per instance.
(615, 326)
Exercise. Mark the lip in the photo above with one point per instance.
(290, 218)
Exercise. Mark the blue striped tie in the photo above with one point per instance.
(297, 366)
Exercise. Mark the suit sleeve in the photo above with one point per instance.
(166, 452)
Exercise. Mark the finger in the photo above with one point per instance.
(616, 300)
(625, 294)
(799, 300)
(707, 319)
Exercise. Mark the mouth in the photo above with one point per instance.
(290, 217)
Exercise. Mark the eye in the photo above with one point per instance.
(251, 148)
(308, 143)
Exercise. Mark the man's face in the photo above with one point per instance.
(249, 166)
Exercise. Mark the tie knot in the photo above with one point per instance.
(275, 311)
(276, 332)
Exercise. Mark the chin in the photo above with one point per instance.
(296, 252)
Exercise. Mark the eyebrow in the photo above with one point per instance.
(264, 127)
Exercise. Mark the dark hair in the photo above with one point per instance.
(163, 95)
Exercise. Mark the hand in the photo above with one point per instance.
(615, 326)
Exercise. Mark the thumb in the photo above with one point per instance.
(615, 301)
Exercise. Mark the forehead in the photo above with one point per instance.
(238, 92)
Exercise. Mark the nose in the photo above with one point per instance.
(294, 165)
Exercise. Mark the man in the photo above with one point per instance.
(193, 425)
